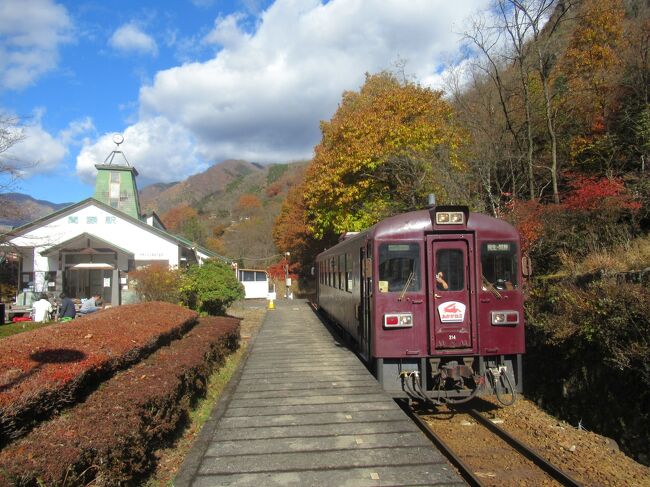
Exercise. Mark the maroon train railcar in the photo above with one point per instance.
(434, 292)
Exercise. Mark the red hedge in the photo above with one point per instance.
(49, 368)
(111, 437)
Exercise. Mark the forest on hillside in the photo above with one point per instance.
(546, 125)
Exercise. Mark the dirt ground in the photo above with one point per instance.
(591, 459)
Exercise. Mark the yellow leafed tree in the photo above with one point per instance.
(382, 152)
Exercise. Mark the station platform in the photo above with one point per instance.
(302, 410)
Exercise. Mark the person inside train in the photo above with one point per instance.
(441, 284)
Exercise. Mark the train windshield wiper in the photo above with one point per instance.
(406, 286)
(488, 285)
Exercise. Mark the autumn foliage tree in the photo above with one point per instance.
(378, 155)
(175, 218)
(157, 282)
(184, 220)
(291, 232)
(247, 205)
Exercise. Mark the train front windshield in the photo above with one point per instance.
(399, 267)
(499, 265)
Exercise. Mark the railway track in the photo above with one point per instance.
(532, 467)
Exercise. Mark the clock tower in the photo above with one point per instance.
(115, 183)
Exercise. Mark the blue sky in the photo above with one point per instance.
(190, 83)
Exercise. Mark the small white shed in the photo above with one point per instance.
(255, 281)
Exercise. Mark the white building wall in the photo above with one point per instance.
(91, 219)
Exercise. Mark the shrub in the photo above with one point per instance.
(614, 317)
(157, 282)
(212, 287)
(110, 438)
(49, 368)
(588, 357)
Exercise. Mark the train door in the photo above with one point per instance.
(365, 281)
(451, 317)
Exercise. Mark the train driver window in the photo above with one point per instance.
(399, 267)
(499, 266)
(450, 270)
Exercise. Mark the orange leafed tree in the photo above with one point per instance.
(592, 58)
(175, 218)
(290, 232)
(249, 202)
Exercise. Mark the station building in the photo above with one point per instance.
(90, 247)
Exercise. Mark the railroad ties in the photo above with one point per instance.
(304, 411)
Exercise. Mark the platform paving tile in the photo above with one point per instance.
(288, 383)
(317, 378)
(279, 375)
(302, 356)
(309, 460)
(343, 391)
(304, 400)
(259, 410)
(298, 369)
(320, 374)
(297, 385)
(306, 412)
(330, 429)
(342, 442)
(317, 418)
(329, 361)
(410, 475)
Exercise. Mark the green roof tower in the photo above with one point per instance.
(115, 183)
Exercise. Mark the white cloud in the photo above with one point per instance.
(38, 152)
(30, 35)
(262, 95)
(160, 151)
(130, 38)
(77, 129)
(227, 33)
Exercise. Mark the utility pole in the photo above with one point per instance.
(287, 282)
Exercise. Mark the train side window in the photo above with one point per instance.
(399, 267)
(450, 270)
(348, 272)
(499, 265)
(341, 267)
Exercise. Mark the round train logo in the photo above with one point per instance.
(452, 312)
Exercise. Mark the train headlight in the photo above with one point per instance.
(450, 218)
(505, 317)
(398, 320)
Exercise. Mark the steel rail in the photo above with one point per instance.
(454, 459)
(558, 474)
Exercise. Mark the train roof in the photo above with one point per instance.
(415, 224)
